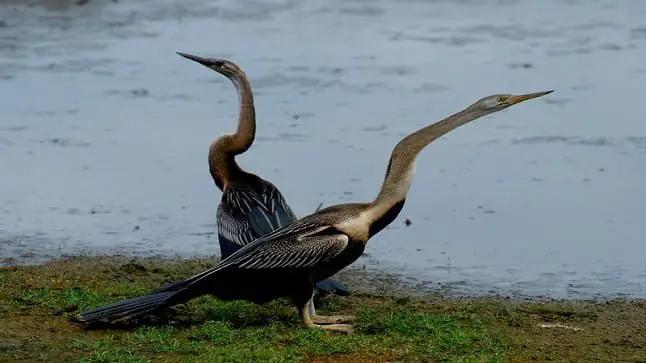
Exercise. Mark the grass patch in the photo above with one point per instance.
(36, 303)
(60, 298)
(108, 350)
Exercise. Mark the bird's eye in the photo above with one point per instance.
(502, 99)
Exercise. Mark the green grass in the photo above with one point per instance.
(108, 350)
(241, 331)
(61, 298)
(37, 302)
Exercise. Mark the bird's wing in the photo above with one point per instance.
(245, 215)
(277, 206)
(298, 245)
(305, 252)
(233, 227)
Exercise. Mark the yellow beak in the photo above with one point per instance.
(512, 100)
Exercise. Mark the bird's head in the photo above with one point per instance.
(222, 66)
(496, 103)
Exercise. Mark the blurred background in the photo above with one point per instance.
(104, 131)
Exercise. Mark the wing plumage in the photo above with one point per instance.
(248, 213)
(305, 252)
(299, 245)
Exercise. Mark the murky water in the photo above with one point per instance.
(104, 131)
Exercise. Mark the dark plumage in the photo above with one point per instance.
(248, 211)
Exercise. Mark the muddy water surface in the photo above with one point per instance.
(104, 131)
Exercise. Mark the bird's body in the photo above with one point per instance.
(300, 254)
(290, 260)
(251, 206)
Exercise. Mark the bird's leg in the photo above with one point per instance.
(307, 320)
(327, 319)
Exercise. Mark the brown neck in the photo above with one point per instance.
(401, 167)
(222, 164)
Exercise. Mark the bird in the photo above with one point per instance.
(250, 206)
(290, 260)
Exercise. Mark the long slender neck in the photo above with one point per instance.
(222, 153)
(399, 175)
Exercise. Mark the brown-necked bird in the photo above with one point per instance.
(289, 261)
(250, 206)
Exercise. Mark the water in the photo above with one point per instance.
(104, 131)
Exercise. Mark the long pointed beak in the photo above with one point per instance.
(512, 100)
(208, 62)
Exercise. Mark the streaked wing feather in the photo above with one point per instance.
(278, 207)
(294, 239)
(235, 230)
(244, 215)
(284, 253)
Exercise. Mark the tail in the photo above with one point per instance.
(129, 308)
(169, 295)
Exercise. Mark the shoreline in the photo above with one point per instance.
(362, 274)
(394, 322)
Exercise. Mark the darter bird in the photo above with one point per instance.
(290, 260)
(250, 206)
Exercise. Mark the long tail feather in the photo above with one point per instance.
(126, 309)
